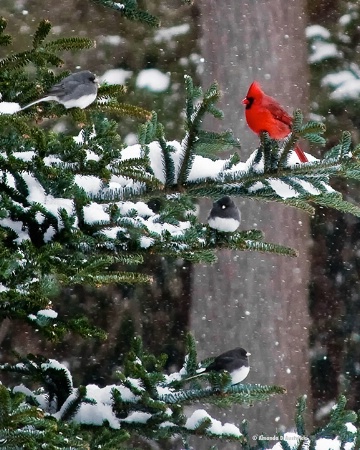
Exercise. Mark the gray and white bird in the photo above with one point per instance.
(224, 215)
(77, 90)
(235, 361)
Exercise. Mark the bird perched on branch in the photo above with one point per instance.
(77, 90)
(235, 361)
(224, 215)
(264, 113)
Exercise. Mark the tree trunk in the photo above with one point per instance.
(254, 300)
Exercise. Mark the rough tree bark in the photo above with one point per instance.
(254, 300)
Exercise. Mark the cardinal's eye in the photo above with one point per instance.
(250, 100)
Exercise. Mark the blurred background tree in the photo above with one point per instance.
(333, 36)
(245, 297)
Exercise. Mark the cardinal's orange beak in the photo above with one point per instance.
(245, 101)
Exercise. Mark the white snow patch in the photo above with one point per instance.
(137, 416)
(317, 31)
(167, 424)
(336, 79)
(116, 76)
(351, 427)
(324, 410)
(131, 139)
(347, 90)
(141, 208)
(153, 79)
(216, 427)
(47, 313)
(166, 34)
(3, 288)
(146, 242)
(164, 390)
(328, 444)
(96, 415)
(347, 18)
(94, 213)
(205, 168)
(49, 234)
(25, 156)
(282, 189)
(16, 226)
(9, 108)
(89, 183)
(323, 50)
(113, 39)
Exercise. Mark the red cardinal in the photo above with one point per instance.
(264, 113)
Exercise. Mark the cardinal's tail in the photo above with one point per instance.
(301, 155)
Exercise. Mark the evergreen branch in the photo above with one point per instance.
(130, 10)
(297, 122)
(311, 127)
(299, 204)
(209, 144)
(270, 248)
(5, 39)
(342, 149)
(73, 404)
(100, 280)
(334, 200)
(43, 54)
(70, 43)
(110, 90)
(37, 57)
(123, 109)
(314, 139)
(41, 33)
(190, 363)
(239, 393)
(52, 374)
(299, 416)
(169, 166)
(339, 427)
(270, 149)
(194, 117)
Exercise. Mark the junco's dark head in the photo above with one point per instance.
(77, 90)
(224, 215)
(234, 361)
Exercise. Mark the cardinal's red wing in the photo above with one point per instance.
(277, 111)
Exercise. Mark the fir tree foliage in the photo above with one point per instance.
(145, 400)
(335, 66)
(130, 10)
(77, 210)
(16, 86)
(76, 204)
(340, 427)
(335, 75)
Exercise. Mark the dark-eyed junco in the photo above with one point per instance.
(234, 361)
(77, 90)
(224, 215)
